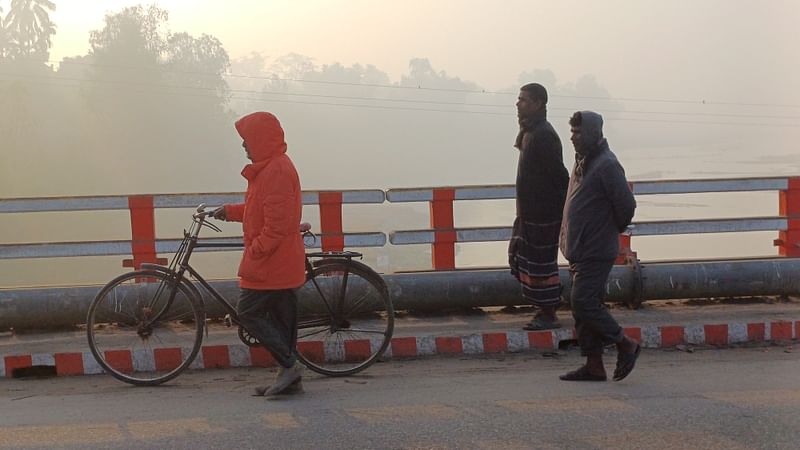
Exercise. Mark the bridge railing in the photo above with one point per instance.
(145, 247)
(442, 235)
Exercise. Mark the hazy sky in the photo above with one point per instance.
(729, 52)
(720, 50)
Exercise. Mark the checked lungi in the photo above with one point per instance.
(533, 258)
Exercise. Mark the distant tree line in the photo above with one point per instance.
(147, 109)
(141, 93)
(26, 30)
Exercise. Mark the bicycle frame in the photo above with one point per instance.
(353, 339)
(180, 265)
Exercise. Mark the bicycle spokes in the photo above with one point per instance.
(344, 311)
(144, 329)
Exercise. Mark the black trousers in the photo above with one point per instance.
(593, 322)
(271, 317)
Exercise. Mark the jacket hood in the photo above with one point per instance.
(263, 134)
(591, 137)
(591, 127)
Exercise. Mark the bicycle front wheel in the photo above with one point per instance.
(346, 318)
(144, 328)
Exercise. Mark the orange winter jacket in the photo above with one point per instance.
(270, 215)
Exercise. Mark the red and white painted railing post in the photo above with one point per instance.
(330, 216)
(788, 241)
(444, 244)
(143, 232)
(625, 251)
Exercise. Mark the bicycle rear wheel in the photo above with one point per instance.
(346, 318)
(144, 328)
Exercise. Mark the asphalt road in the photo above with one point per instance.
(726, 399)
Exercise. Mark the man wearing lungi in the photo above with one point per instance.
(542, 183)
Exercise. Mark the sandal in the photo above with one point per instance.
(539, 324)
(625, 363)
(582, 374)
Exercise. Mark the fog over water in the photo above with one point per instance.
(132, 100)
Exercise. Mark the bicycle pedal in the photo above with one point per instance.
(228, 320)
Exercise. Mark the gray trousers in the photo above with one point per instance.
(271, 317)
(593, 322)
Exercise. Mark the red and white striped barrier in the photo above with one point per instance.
(238, 355)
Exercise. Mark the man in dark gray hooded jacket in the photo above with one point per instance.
(599, 206)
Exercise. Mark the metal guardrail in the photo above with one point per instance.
(117, 202)
(656, 228)
(508, 191)
(442, 234)
(488, 192)
(112, 248)
(142, 207)
(708, 186)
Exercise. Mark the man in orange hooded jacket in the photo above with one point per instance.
(273, 264)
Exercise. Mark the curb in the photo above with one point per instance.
(239, 355)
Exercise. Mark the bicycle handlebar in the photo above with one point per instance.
(202, 213)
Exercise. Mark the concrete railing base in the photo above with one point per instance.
(239, 355)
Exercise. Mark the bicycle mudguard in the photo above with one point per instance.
(360, 265)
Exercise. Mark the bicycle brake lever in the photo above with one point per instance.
(212, 226)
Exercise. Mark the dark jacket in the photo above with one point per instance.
(599, 205)
(541, 176)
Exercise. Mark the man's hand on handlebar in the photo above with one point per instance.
(219, 213)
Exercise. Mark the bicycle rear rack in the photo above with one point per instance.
(334, 254)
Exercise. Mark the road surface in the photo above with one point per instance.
(725, 399)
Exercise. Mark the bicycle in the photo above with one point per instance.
(159, 314)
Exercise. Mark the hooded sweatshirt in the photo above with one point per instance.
(274, 255)
(600, 204)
